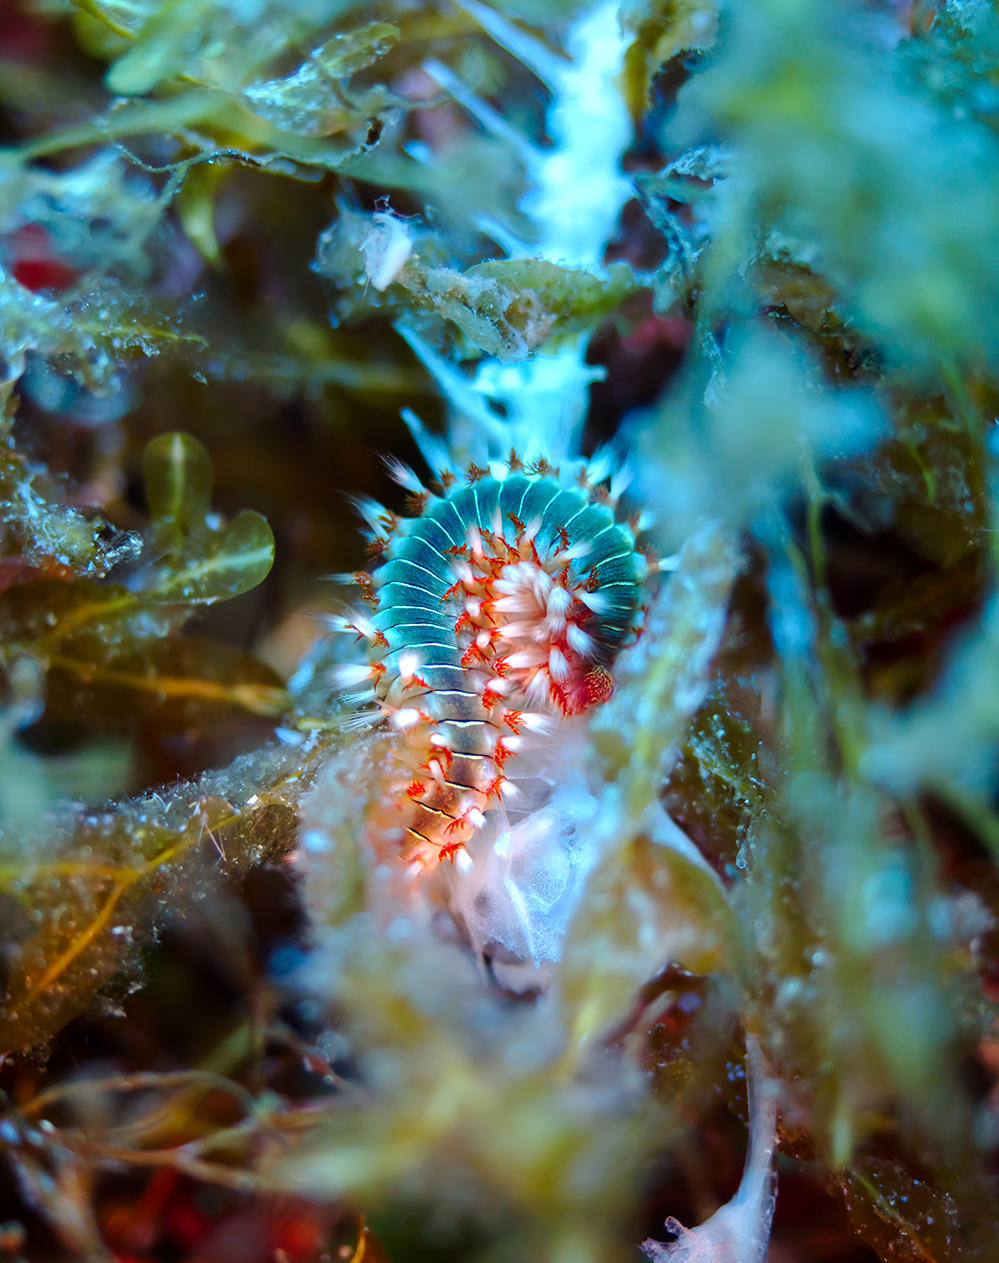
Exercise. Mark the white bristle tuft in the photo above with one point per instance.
(602, 465)
(360, 624)
(350, 674)
(401, 473)
(519, 661)
(531, 529)
(409, 664)
(621, 480)
(579, 641)
(558, 665)
(559, 601)
(537, 687)
(595, 601)
(359, 722)
(541, 724)
(376, 515)
(432, 447)
(574, 552)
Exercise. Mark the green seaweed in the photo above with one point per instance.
(509, 308)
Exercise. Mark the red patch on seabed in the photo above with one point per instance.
(39, 274)
(34, 260)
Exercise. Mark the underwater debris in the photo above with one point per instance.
(738, 1232)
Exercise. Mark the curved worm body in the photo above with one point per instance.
(497, 608)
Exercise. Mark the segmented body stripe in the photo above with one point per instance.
(501, 595)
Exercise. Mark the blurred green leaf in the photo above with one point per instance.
(205, 561)
(196, 207)
(646, 905)
(113, 653)
(178, 476)
(902, 1216)
(167, 38)
(86, 891)
(181, 682)
(226, 562)
(314, 101)
(663, 30)
(663, 680)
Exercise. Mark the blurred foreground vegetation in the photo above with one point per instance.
(213, 1050)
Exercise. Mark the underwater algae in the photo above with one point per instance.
(704, 962)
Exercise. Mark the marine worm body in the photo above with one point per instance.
(496, 612)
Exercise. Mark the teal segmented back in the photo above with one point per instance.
(498, 607)
(419, 567)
